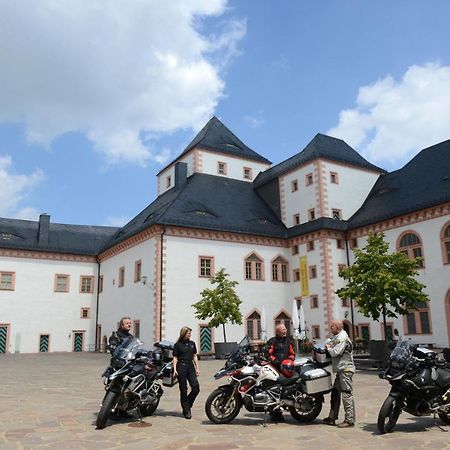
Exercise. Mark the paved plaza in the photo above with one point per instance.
(50, 401)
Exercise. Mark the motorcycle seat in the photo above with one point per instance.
(285, 381)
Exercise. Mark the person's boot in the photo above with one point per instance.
(276, 416)
(329, 421)
(187, 413)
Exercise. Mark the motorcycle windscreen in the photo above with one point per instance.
(239, 350)
(128, 349)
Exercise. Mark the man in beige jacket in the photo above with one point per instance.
(340, 349)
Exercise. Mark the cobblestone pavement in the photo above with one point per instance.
(50, 401)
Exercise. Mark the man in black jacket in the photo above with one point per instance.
(123, 332)
(278, 349)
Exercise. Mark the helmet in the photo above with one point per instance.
(287, 367)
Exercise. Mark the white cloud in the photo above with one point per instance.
(14, 189)
(393, 120)
(113, 70)
(117, 221)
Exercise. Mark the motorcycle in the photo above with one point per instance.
(420, 385)
(260, 387)
(132, 380)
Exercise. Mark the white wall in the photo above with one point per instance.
(134, 299)
(235, 166)
(33, 308)
(302, 200)
(352, 189)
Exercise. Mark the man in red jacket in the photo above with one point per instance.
(278, 349)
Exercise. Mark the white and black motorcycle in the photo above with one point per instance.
(260, 387)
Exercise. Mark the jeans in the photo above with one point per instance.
(186, 373)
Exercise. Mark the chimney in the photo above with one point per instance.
(180, 175)
(43, 230)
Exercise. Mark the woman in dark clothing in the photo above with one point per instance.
(185, 367)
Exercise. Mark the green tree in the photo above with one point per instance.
(381, 283)
(221, 304)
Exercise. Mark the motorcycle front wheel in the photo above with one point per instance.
(389, 414)
(222, 406)
(108, 404)
(307, 409)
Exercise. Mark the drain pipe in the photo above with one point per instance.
(161, 283)
(97, 348)
(347, 253)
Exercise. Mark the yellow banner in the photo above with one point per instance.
(304, 278)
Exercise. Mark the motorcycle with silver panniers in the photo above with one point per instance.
(258, 386)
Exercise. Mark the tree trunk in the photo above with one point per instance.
(384, 322)
(224, 335)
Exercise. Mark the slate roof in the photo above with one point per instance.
(422, 183)
(215, 136)
(212, 203)
(321, 146)
(72, 239)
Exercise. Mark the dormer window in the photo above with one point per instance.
(247, 173)
(221, 168)
(168, 181)
(294, 185)
(334, 178)
(309, 179)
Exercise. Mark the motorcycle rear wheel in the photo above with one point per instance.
(445, 418)
(108, 404)
(389, 414)
(216, 406)
(310, 408)
(149, 410)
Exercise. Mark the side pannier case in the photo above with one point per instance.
(317, 381)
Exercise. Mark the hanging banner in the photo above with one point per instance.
(304, 279)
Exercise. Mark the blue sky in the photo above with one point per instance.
(96, 97)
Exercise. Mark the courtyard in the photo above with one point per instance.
(50, 401)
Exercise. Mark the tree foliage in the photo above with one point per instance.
(220, 304)
(382, 283)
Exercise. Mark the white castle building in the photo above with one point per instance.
(281, 231)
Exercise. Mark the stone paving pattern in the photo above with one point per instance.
(50, 401)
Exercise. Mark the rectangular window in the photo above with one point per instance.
(353, 243)
(294, 185)
(86, 284)
(206, 266)
(284, 276)
(62, 283)
(296, 219)
(221, 168)
(248, 270)
(345, 302)
(411, 321)
(315, 331)
(312, 272)
(296, 275)
(137, 271)
(7, 281)
(310, 246)
(336, 214)
(314, 299)
(340, 243)
(100, 284)
(258, 271)
(341, 266)
(122, 277)
(168, 181)
(425, 322)
(85, 313)
(248, 173)
(334, 178)
(274, 272)
(309, 179)
(137, 328)
(311, 214)
(295, 250)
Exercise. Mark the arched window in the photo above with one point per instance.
(445, 239)
(254, 325)
(284, 319)
(411, 246)
(279, 269)
(254, 268)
